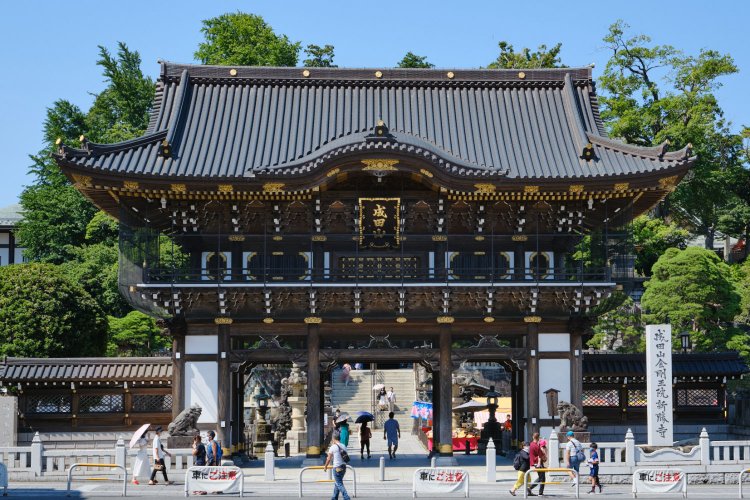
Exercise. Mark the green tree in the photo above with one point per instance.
(94, 267)
(319, 57)
(411, 60)
(693, 290)
(43, 313)
(619, 329)
(244, 40)
(102, 229)
(542, 58)
(651, 238)
(655, 93)
(135, 335)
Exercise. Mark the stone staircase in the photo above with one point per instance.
(359, 396)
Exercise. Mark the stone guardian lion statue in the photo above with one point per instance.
(571, 418)
(186, 422)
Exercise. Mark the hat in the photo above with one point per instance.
(569, 434)
(212, 433)
(543, 442)
(158, 429)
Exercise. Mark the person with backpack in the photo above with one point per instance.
(574, 455)
(593, 462)
(537, 458)
(338, 457)
(522, 463)
(364, 440)
(213, 452)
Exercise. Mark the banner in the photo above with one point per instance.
(213, 479)
(659, 481)
(440, 480)
(379, 222)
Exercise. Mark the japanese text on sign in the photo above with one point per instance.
(659, 481)
(217, 479)
(659, 384)
(379, 222)
(440, 480)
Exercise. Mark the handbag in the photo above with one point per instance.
(344, 455)
(158, 467)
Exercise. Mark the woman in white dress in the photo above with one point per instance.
(141, 465)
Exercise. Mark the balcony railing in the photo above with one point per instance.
(355, 276)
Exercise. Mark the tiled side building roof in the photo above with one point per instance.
(92, 370)
(10, 215)
(254, 123)
(719, 364)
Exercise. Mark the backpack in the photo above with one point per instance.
(517, 461)
(344, 455)
(580, 455)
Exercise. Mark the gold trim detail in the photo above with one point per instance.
(305, 73)
(333, 172)
(575, 188)
(313, 450)
(225, 188)
(378, 74)
(450, 75)
(401, 319)
(132, 185)
(397, 236)
(668, 183)
(439, 237)
(319, 237)
(273, 187)
(483, 188)
(236, 237)
(223, 321)
(446, 448)
(621, 186)
(521, 75)
(426, 173)
(479, 238)
(531, 189)
(445, 320)
(232, 72)
(519, 237)
(178, 188)
(532, 319)
(277, 238)
(489, 319)
(380, 165)
(268, 320)
(82, 180)
(357, 320)
(313, 320)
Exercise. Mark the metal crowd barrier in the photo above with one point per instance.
(742, 474)
(111, 466)
(553, 469)
(320, 467)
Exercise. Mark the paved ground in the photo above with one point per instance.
(396, 486)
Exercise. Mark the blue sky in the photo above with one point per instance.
(51, 46)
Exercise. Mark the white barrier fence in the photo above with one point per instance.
(34, 461)
(99, 466)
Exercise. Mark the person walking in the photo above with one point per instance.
(199, 454)
(574, 455)
(364, 440)
(391, 433)
(345, 376)
(390, 398)
(537, 458)
(343, 428)
(158, 452)
(521, 463)
(593, 462)
(382, 399)
(336, 459)
(141, 467)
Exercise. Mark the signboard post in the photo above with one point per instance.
(655, 481)
(440, 480)
(214, 479)
(659, 392)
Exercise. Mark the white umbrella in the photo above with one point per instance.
(471, 406)
(377, 387)
(137, 435)
(342, 418)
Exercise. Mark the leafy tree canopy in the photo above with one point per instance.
(94, 267)
(319, 57)
(651, 237)
(693, 290)
(135, 335)
(542, 58)
(244, 40)
(411, 60)
(619, 329)
(656, 93)
(43, 313)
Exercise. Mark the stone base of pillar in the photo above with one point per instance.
(297, 442)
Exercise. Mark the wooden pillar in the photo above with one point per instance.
(576, 368)
(445, 431)
(314, 413)
(237, 409)
(520, 427)
(235, 245)
(532, 379)
(178, 373)
(519, 262)
(224, 406)
(435, 412)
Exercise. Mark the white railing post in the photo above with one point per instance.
(120, 451)
(37, 450)
(629, 449)
(705, 443)
(270, 470)
(491, 462)
(554, 450)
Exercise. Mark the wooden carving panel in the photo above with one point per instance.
(338, 217)
(335, 301)
(296, 218)
(420, 218)
(461, 218)
(382, 302)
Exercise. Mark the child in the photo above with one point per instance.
(593, 462)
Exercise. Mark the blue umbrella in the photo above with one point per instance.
(363, 416)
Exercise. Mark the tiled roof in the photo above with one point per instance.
(230, 123)
(26, 370)
(10, 215)
(720, 364)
